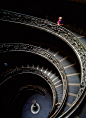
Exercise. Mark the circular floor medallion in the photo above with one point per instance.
(35, 109)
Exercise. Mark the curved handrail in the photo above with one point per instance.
(43, 53)
(21, 70)
(59, 31)
(17, 92)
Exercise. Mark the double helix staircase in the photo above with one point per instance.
(64, 64)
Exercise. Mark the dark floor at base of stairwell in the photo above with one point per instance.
(45, 103)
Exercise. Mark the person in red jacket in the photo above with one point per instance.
(59, 22)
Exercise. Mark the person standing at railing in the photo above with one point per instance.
(59, 22)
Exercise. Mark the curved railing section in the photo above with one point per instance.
(17, 71)
(43, 53)
(21, 90)
(59, 31)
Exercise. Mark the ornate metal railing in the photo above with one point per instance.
(43, 53)
(21, 90)
(17, 71)
(59, 31)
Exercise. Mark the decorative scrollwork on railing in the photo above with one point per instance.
(43, 53)
(58, 31)
(17, 71)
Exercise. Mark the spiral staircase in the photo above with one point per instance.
(43, 61)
